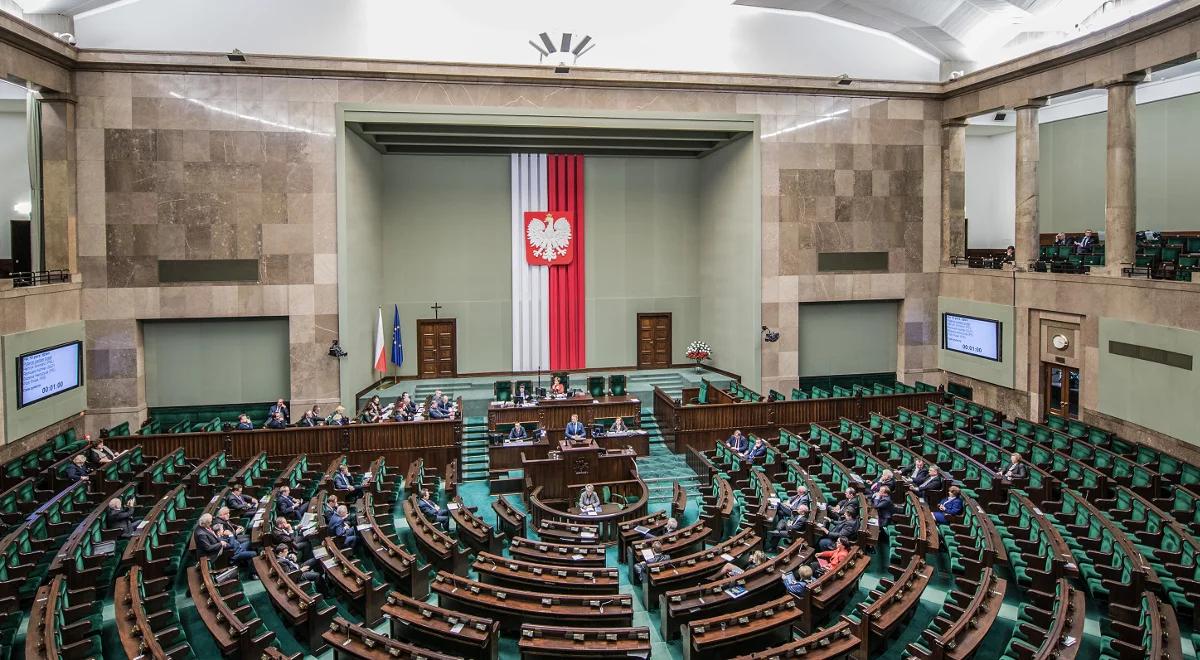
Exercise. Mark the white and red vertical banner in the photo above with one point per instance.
(547, 261)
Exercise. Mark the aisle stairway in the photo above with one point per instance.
(662, 468)
(474, 466)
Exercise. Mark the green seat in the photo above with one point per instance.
(502, 390)
(616, 384)
(596, 386)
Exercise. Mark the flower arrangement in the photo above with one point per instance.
(698, 351)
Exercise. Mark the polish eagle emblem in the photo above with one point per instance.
(548, 238)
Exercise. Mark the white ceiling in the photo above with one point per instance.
(752, 36)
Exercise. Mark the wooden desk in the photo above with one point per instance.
(553, 643)
(434, 627)
(555, 413)
(507, 455)
(513, 608)
(350, 640)
(551, 578)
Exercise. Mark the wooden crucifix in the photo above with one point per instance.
(435, 307)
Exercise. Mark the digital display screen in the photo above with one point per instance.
(45, 373)
(971, 335)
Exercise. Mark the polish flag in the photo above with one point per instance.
(380, 356)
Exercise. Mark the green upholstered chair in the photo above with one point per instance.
(1047, 252)
(596, 386)
(502, 390)
(616, 384)
(1170, 253)
(1193, 244)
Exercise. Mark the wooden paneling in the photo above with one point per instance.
(437, 347)
(654, 341)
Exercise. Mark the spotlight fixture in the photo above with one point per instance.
(65, 37)
(560, 55)
(844, 79)
(1000, 116)
(236, 55)
(955, 75)
(336, 350)
(770, 336)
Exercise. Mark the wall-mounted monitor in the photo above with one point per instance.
(49, 372)
(971, 335)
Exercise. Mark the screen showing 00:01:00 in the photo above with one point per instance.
(49, 372)
(966, 334)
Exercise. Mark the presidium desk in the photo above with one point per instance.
(553, 414)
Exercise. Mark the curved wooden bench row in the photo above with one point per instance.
(61, 624)
(1146, 632)
(681, 541)
(690, 569)
(831, 591)
(563, 554)
(297, 602)
(974, 613)
(386, 550)
(554, 642)
(476, 534)
(438, 628)
(350, 640)
(560, 531)
(437, 545)
(162, 475)
(148, 625)
(627, 532)
(227, 614)
(509, 520)
(757, 627)
(512, 607)
(159, 543)
(354, 582)
(886, 611)
(24, 551)
(551, 578)
(761, 583)
(833, 643)
(77, 559)
(717, 508)
(1050, 624)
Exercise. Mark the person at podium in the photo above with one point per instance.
(522, 397)
(556, 387)
(618, 426)
(588, 499)
(575, 431)
(517, 434)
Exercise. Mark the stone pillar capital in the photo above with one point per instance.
(59, 97)
(1031, 104)
(1128, 79)
(958, 122)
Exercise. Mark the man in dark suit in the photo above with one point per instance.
(787, 528)
(281, 409)
(244, 423)
(666, 530)
(78, 469)
(737, 442)
(788, 507)
(288, 505)
(238, 501)
(276, 421)
(440, 516)
(575, 430)
(916, 473)
(883, 506)
(283, 532)
(933, 482)
(329, 508)
(1087, 243)
(756, 451)
(310, 571)
(656, 555)
(517, 433)
(885, 480)
(343, 482)
(224, 521)
(208, 542)
(848, 503)
(846, 528)
(339, 525)
(1015, 469)
(121, 516)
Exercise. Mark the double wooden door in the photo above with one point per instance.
(437, 339)
(1060, 390)
(654, 341)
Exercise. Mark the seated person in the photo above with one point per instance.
(224, 521)
(886, 479)
(540, 433)
(833, 557)
(213, 540)
(338, 418)
(372, 412)
(120, 516)
(289, 506)
(238, 501)
(409, 404)
(521, 396)
(281, 408)
(343, 482)
(917, 473)
(788, 507)
(884, 508)
(276, 422)
(283, 532)
(556, 387)
(100, 454)
(731, 569)
(656, 555)
(403, 410)
(1010, 255)
(439, 408)
(666, 530)
(932, 482)
(341, 527)
(588, 498)
(618, 426)
(846, 527)
(786, 527)
(78, 470)
(1061, 239)
(951, 505)
(848, 503)
(575, 430)
(1087, 243)
(517, 433)
(797, 584)
(244, 423)
(756, 451)
(737, 442)
(329, 508)
(1015, 469)
(435, 513)
(310, 571)
(312, 417)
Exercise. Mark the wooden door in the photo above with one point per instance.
(22, 246)
(654, 341)
(439, 348)
(1060, 390)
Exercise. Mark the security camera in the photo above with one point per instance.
(336, 350)
(770, 336)
(65, 37)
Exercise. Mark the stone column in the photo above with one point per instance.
(1120, 208)
(1026, 235)
(59, 204)
(954, 191)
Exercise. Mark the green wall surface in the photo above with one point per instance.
(200, 362)
(1000, 373)
(730, 272)
(1153, 395)
(447, 227)
(848, 337)
(1071, 173)
(642, 237)
(37, 416)
(360, 267)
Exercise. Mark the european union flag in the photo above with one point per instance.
(397, 344)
